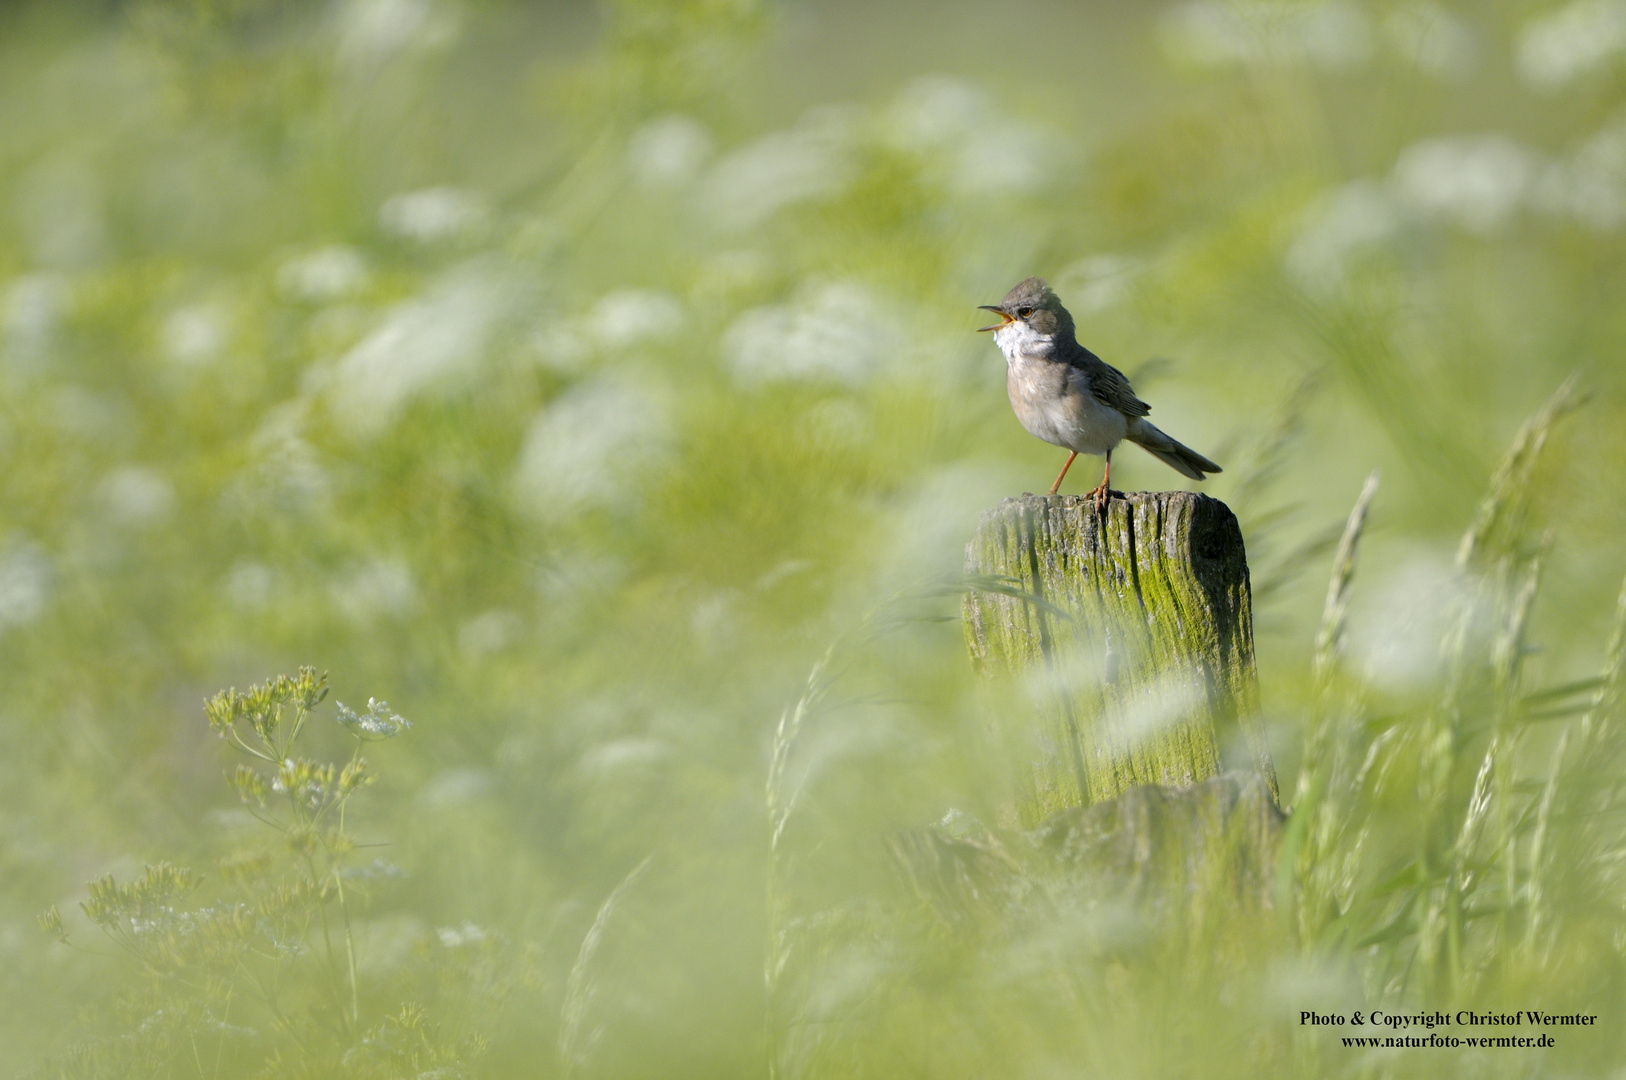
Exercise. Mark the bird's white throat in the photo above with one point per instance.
(1018, 339)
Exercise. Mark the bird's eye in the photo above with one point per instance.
(1024, 312)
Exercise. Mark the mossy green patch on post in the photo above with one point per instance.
(1134, 628)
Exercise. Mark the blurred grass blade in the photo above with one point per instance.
(1606, 700)
(576, 1040)
(1500, 518)
(1548, 697)
(1329, 638)
(1510, 649)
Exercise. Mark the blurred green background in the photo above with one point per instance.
(574, 376)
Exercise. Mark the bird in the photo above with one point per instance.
(1066, 395)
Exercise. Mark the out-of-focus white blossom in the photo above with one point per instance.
(372, 30)
(380, 587)
(249, 585)
(327, 273)
(1358, 215)
(1173, 698)
(285, 473)
(490, 632)
(30, 313)
(926, 532)
(457, 937)
(715, 621)
(455, 787)
(1397, 623)
(969, 147)
(1330, 34)
(195, 335)
(137, 496)
(433, 214)
(813, 160)
(836, 332)
(627, 317)
(623, 754)
(420, 344)
(373, 871)
(586, 447)
(618, 321)
(25, 582)
(1476, 181)
(836, 421)
(1575, 40)
(669, 152)
(936, 111)
(1591, 185)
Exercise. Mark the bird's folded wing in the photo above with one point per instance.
(1111, 387)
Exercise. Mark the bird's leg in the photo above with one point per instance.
(1104, 492)
(1064, 468)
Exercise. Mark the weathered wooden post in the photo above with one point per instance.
(1137, 626)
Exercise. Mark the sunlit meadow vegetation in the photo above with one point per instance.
(598, 385)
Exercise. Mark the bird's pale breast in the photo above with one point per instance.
(1053, 401)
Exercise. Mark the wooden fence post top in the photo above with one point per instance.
(1188, 526)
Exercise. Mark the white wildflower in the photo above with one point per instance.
(1571, 42)
(433, 214)
(1332, 34)
(668, 152)
(837, 332)
(378, 722)
(324, 274)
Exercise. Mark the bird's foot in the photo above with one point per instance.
(1100, 496)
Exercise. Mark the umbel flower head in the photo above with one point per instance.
(261, 706)
(376, 723)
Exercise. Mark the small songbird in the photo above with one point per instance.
(1066, 395)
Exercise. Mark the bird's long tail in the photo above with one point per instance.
(1177, 456)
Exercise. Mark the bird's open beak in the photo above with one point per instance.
(1006, 319)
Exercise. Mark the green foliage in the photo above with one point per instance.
(580, 373)
(1162, 898)
(264, 977)
(1456, 903)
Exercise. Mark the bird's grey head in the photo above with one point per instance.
(1032, 319)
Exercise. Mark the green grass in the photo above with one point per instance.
(419, 343)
